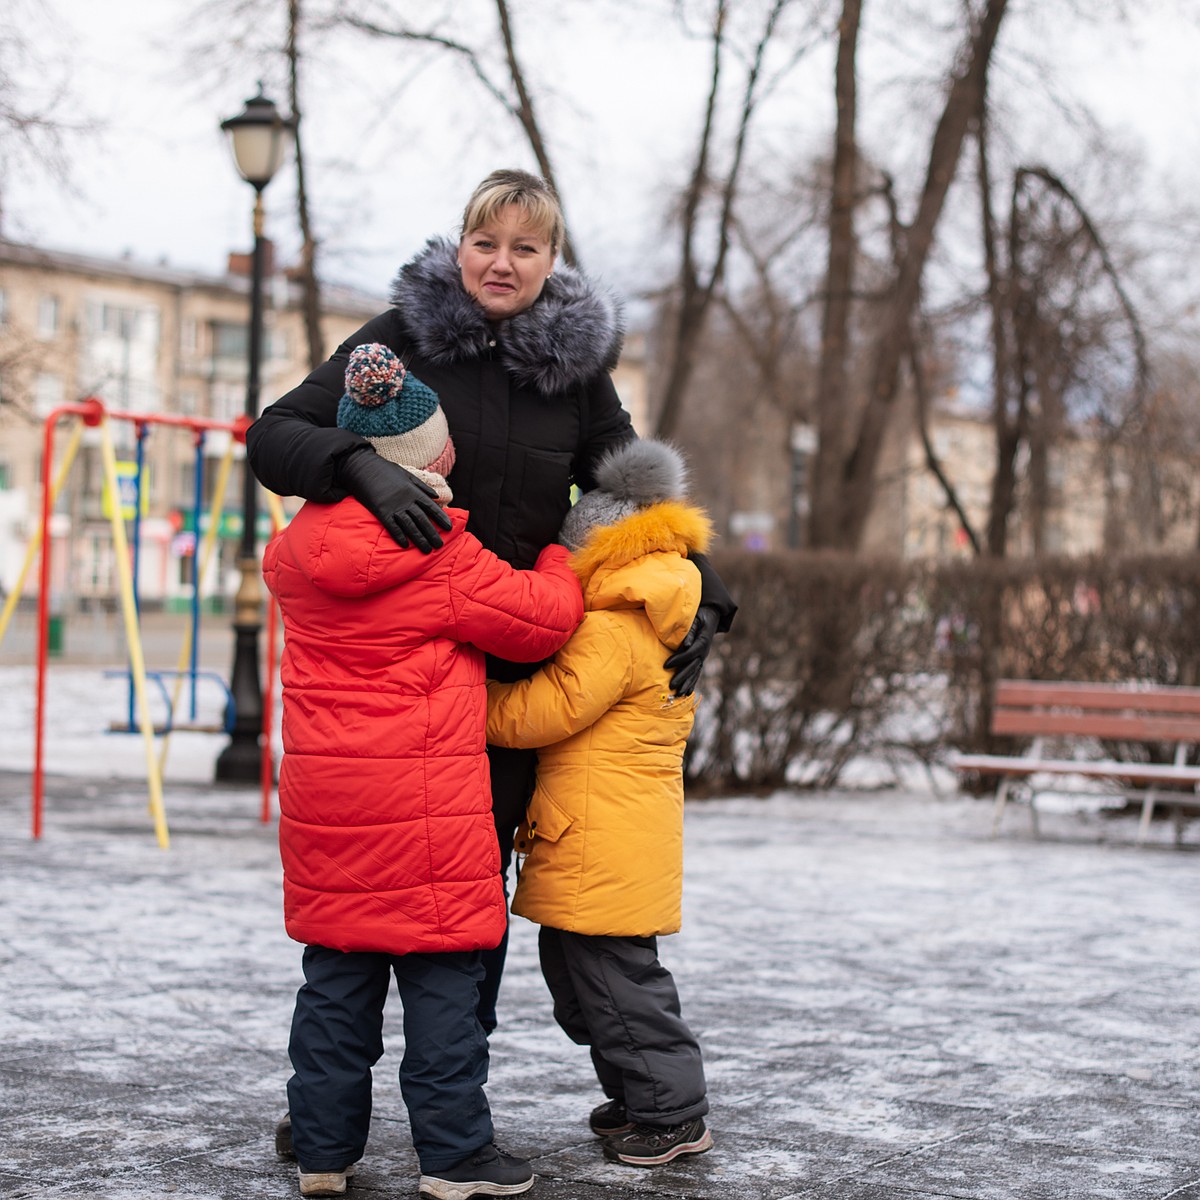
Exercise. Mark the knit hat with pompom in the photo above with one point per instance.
(398, 414)
(628, 478)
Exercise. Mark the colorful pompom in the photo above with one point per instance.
(374, 374)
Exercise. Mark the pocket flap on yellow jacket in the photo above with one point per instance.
(544, 820)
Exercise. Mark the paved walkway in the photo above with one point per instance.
(892, 1007)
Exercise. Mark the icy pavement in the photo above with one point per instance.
(892, 1005)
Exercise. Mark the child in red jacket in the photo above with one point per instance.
(389, 851)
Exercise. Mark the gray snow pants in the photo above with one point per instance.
(612, 995)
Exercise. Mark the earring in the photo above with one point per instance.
(458, 265)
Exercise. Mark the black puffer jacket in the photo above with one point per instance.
(530, 403)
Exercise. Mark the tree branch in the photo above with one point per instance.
(525, 115)
(921, 389)
(434, 39)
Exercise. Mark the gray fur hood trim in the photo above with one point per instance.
(571, 333)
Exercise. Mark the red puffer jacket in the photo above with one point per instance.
(385, 825)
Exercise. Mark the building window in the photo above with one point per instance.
(189, 336)
(47, 393)
(189, 401)
(5, 477)
(48, 317)
(228, 401)
(115, 320)
(116, 324)
(3, 308)
(231, 342)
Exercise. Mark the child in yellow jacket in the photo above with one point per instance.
(602, 843)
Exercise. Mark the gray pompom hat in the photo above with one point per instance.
(628, 478)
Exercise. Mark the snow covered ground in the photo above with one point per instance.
(892, 1004)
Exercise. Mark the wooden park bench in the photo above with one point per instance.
(1088, 714)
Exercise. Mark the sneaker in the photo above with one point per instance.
(283, 1138)
(487, 1172)
(609, 1119)
(650, 1145)
(324, 1183)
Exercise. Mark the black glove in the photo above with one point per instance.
(404, 505)
(688, 660)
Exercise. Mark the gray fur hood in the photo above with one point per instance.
(571, 333)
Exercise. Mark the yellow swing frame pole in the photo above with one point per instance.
(137, 659)
(202, 561)
(35, 542)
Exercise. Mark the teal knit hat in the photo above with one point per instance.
(398, 414)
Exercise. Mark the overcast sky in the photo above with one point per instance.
(622, 111)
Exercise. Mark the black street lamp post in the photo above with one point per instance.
(259, 136)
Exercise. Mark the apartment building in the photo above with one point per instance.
(143, 339)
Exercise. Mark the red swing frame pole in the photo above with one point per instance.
(91, 411)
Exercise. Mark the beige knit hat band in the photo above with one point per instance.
(418, 449)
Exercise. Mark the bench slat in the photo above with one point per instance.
(1160, 698)
(1119, 726)
(998, 764)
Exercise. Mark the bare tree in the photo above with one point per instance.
(840, 511)
(698, 283)
(20, 355)
(35, 98)
(1068, 356)
(1068, 347)
(833, 368)
(1171, 415)
(514, 95)
(307, 272)
(225, 37)
(766, 318)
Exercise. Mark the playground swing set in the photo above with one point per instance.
(91, 413)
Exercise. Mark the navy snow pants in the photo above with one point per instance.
(337, 1037)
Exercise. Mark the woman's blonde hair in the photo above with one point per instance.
(531, 193)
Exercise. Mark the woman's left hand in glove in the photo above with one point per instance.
(688, 661)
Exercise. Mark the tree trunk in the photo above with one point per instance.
(1000, 295)
(857, 479)
(831, 397)
(309, 283)
(692, 306)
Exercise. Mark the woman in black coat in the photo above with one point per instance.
(519, 351)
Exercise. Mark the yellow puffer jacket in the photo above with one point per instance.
(609, 790)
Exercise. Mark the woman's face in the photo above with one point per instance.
(505, 263)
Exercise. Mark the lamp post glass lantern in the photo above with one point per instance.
(259, 136)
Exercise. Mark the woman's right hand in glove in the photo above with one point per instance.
(405, 506)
